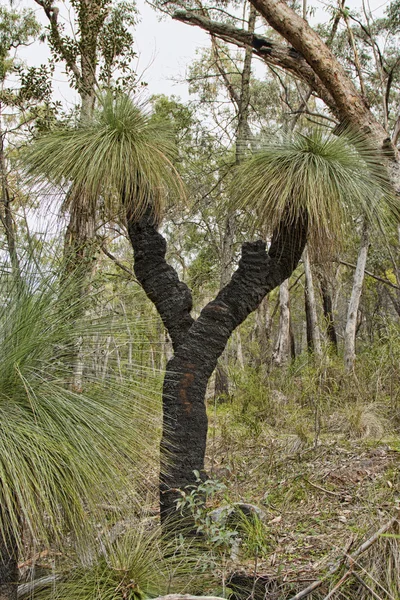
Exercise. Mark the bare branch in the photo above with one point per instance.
(349, 559)
(270, 51)
(52, 15)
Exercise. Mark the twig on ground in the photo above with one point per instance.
(348, 561)
(187, 597)
(367, 587)
(339, 583)
(318, 487)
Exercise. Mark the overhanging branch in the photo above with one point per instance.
(268, 50)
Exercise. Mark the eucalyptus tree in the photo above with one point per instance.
(25, 104)
(299, 187)
(97, 52)
(309, 59)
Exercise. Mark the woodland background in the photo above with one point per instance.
(304, 405)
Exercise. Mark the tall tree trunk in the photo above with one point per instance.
(6, 214)
(243, 135)
(349, 102)
(221, 384)
(327, 306)
(8, 542)
(282, 351)
(263, 332)
(313, 333)
(80, 250)
(198, 344)
(352, 312)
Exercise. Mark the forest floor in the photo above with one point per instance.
(326, 481)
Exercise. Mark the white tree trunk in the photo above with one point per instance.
(282, 348)
(351, 323)
(315, 334)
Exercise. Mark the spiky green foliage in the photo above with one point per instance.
(321, 175)
(139, 564)
(121, 154)
(62, 454)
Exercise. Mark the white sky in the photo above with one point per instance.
(165, 48)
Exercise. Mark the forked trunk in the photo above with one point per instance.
(198, 344)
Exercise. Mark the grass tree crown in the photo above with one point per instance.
(120, 154)
(58, 448)
(324, 176)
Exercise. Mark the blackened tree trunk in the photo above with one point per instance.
(8, 562)
(198, 344)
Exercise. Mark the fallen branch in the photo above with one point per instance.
(367, 587)
(349, 560)
(339, 583)
(318, 487)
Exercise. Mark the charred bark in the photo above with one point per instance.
(198, 344)
(171, 297)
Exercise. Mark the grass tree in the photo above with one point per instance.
(140, 563)
(334, 179)
(300, 186)
(58, 449)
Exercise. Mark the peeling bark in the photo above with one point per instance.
(198, 344)
(349, 102)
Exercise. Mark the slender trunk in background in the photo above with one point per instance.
(199, 343)
(263, 332)
(282, 351)
(313, 333)
(243, 136)
(239, 349)
(327, 306)
(8, 543)
(221, 384)
(6, 214)
(82, 67)
(352, 312)
(80, 250)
